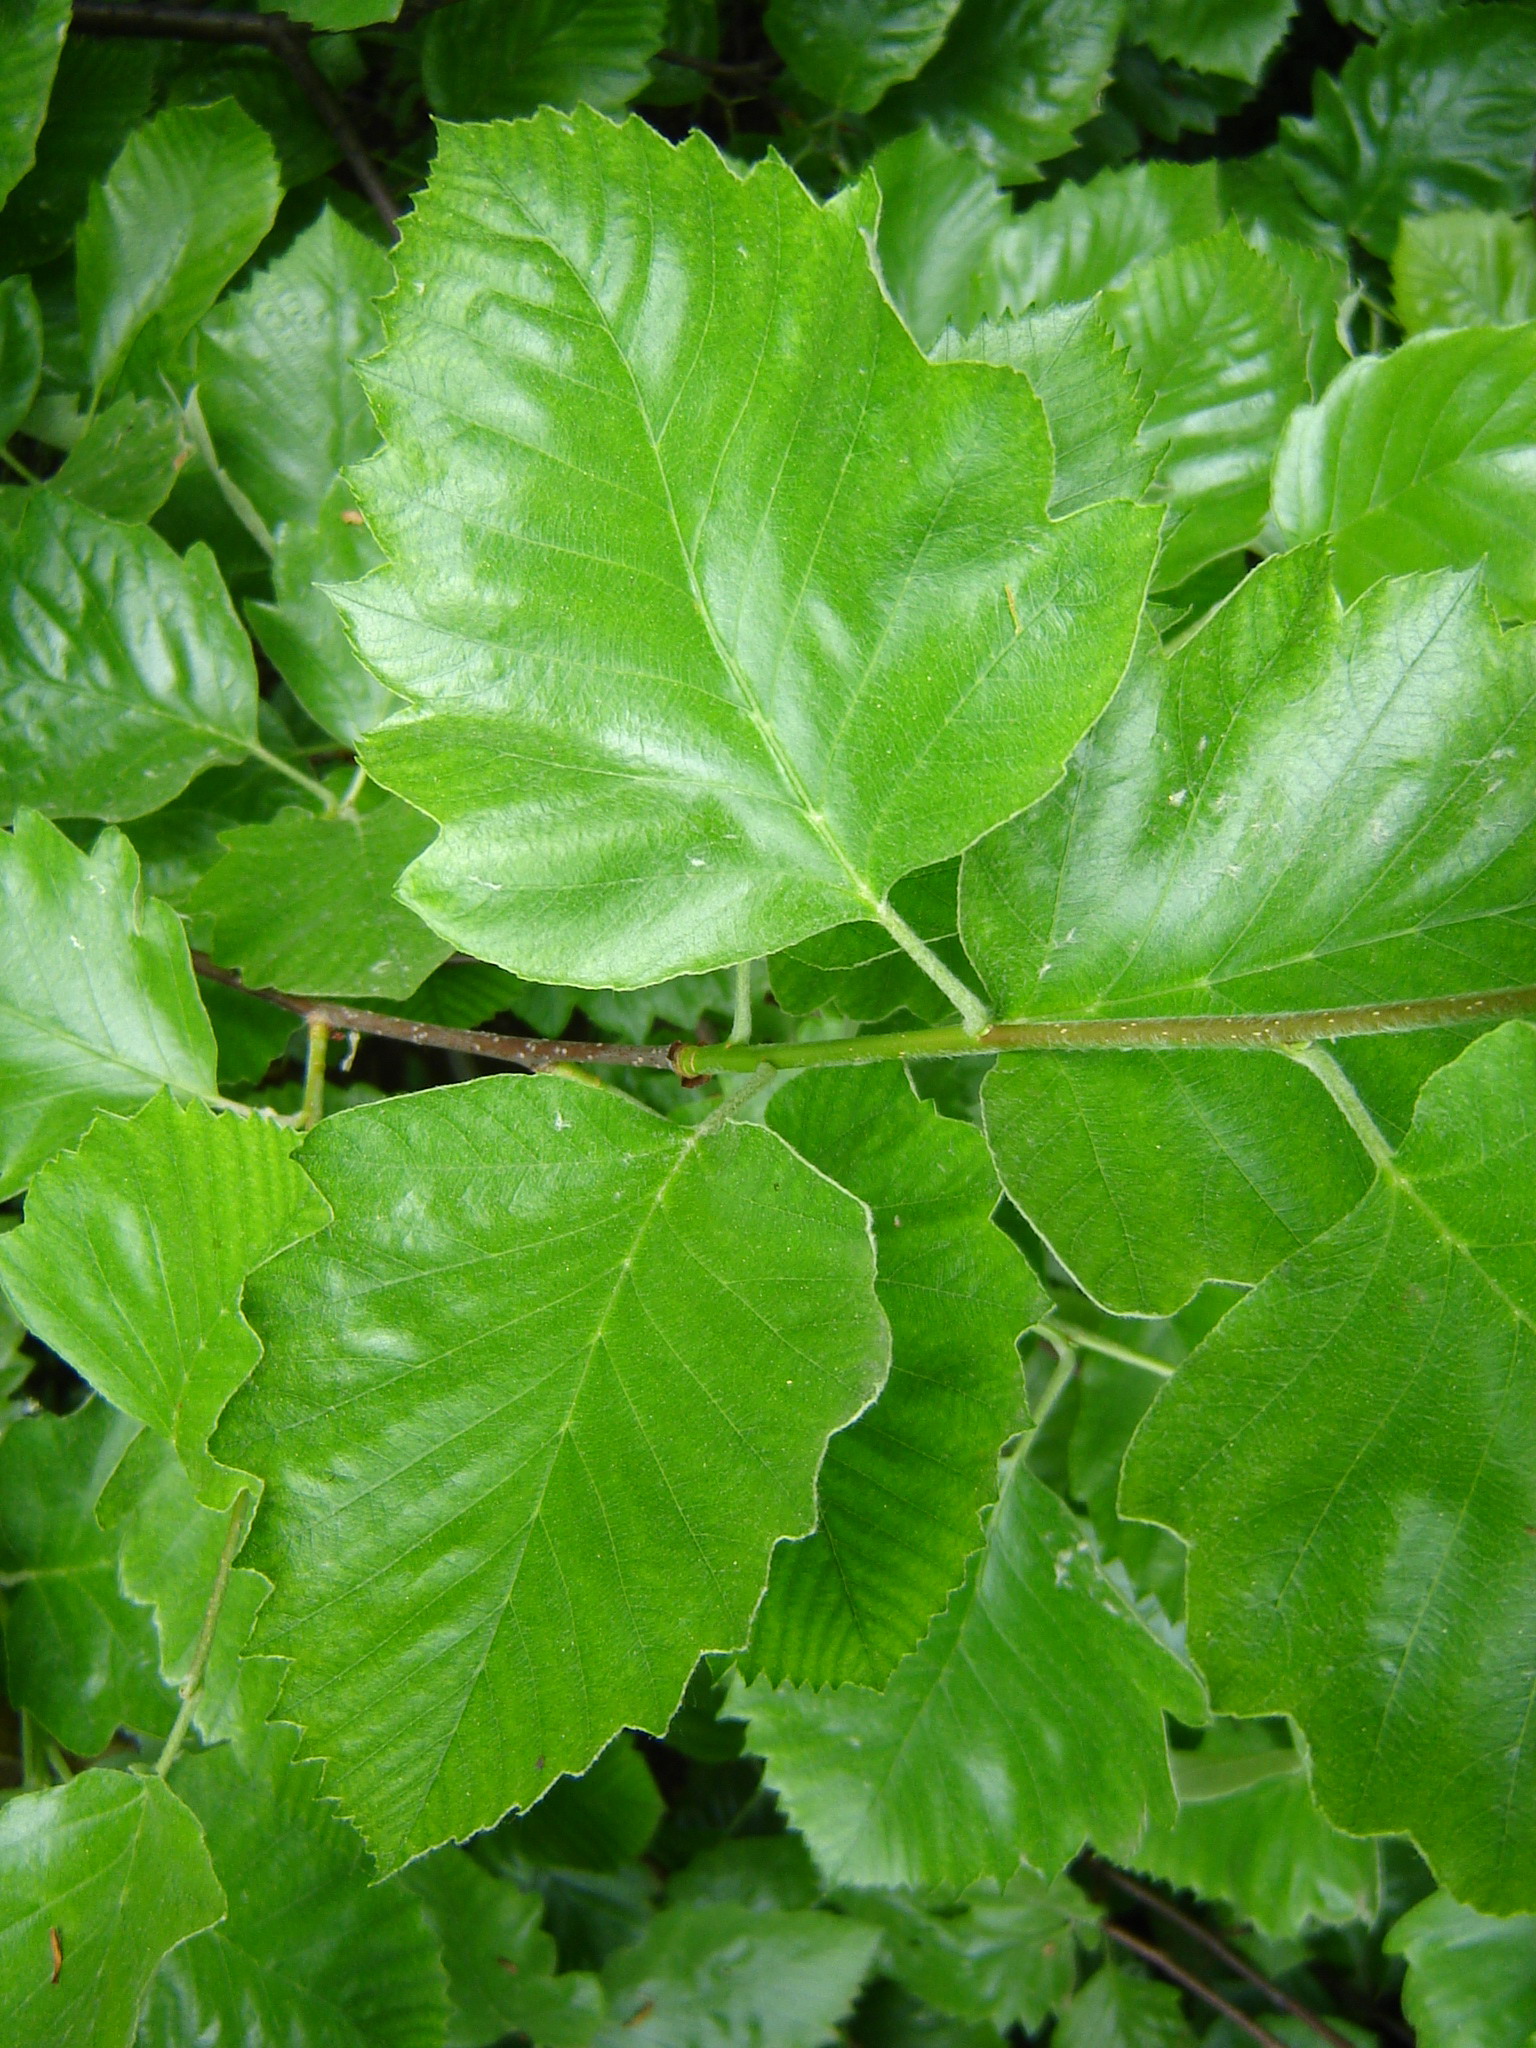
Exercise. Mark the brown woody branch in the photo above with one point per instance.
(1188, 1981)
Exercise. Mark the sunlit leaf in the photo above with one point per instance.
(661, 648)
(98, 1005)
(618, 1346)
(1029, 1719)
(1465, 270)
(1471, 1979)
(940, 210)
(135, 1249)
(1356, 1489)
(113, 1867)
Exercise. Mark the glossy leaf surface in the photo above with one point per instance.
(1465, 270)
(711, 1976)
(21, 352)
(33, 34)
(127, 460)
(901, 1491)
(688, 709)
(307, 903)
(191, 195)
(1471, 1978)
(612, 1462)
(1029, 1718)
(311, 1952)
(1356, 1495)
(134, 1253)
(940, 211)
(1230, 36)
(1419, 460)
(1117, 2010)
(123, 670)
(1396, 134)
(850, 52)
(489, 59)
(98, 1005)
(1213, 331)
(79, 1657)
(115, 1865)
(274, 369)
(1013, 78)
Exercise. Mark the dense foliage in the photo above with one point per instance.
(930, 629)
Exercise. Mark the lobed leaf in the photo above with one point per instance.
(307, 904)
(114, 1867)
(617, 1347)
(134, 1253)
(1355, 1487)
(902, 1489)
(98, 1004)
(1029, 1719)
(664, 644)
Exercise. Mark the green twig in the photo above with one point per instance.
(316, 1047)
(974, 1014)
(33, 1754)
(16, 463)
(192, 1684)
(741, 1022)
(1056, 1332)
(1318, 1060)
(310, 783)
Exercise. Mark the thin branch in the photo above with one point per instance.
(316, 1047)
(1070, 1035)
(762, 67)
(192, 1684)
(1277, 1996)
(287, 40)
(1058, 1333)
(533, 1053)
(1189, 1982)
(1280, 1031)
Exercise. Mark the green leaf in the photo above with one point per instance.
(116, 1867)
(98, 1005)
(598, 1821)
(274, 369)
(1258, 192)
(169, 1552)
(1116, 2010)
(1093, 407)
(1206, 854)
(1085, 238)
(748, 1870)
(1264, 1848)
(312, 1952)
(1392, 134)
(79, 1656)
(488, 58)
(185, 204)
(32, 33)
(133, 1255)
(1391, 863)
(21, 352)
(622, 1393)
(123, 669)
(859, 971)
(797, 541)
(500, 1962)
(180, 843)
(299, 631)
(902, 1490)
(1248, 1160)
(1029, 1719)
(1465, 270)
(1421, 460)
(940, 211)
(1108, 1398)
(1013, 78)
(1358, 1497)
(851, 52)
(714, 1976)
(888, 2017)
(1000, 1952)
(1234, 37)
(127, 460)
(336, 15)
(307, 904)
(1471, 1979)
(101, 91)
(1214, 332)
